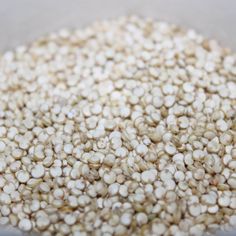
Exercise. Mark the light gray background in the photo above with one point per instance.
(24, 20)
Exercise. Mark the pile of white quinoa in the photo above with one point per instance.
(126, 127)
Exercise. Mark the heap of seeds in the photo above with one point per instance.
(125, 127)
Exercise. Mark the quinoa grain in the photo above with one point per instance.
(124, 127)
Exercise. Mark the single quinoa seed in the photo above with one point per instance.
(125, 127)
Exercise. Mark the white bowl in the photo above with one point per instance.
(22, 21)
